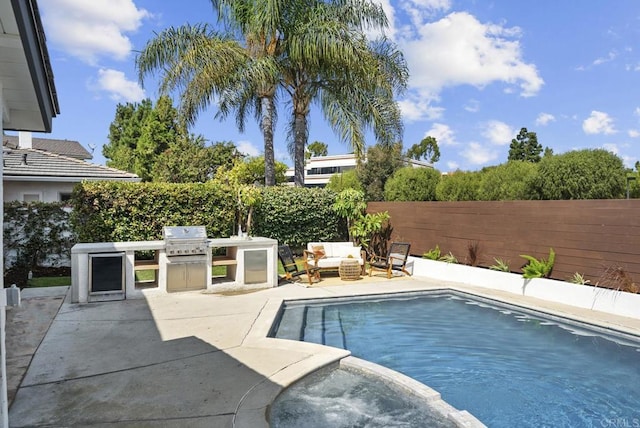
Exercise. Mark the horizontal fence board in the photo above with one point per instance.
(587, 235)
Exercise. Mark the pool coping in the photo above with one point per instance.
(324, 356)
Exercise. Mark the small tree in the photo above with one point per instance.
(580, 174)
(248, 197)
(251, 170)
(412, 184)
(346, 180)
(189, 160)
(362, 226)
(426, 149)
(317, 148)
(509, 181)
(366, 227)
(351, 205)
(525, 147)
(382, 162)
(458, 186)
(139, 133)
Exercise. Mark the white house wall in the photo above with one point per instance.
(48, 191)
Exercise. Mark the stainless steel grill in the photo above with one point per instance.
(185, 240)
(186, 258)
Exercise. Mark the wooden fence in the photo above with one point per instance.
(588, 236)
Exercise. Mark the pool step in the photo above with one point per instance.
(333, 330)
(292, 324)
(314, 321)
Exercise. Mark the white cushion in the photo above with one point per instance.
(345, 252)
(329, 247)
(335, 252)
(334, 262)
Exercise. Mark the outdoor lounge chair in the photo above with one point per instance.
(396, 259)
(291, 269)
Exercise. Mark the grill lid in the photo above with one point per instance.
(183, 234)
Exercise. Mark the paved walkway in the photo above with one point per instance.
(182, 359)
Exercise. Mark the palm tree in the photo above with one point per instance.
(262, 42)
(312, 49)
(327, 58)
(202, 64)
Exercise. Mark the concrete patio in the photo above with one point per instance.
(182, 359)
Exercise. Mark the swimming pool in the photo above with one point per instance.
(507, 366)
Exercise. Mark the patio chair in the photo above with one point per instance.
(291, 269)
(396, 259)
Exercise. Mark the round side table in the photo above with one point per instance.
(349, 269)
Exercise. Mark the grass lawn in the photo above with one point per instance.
(49, 281)
(141, 275)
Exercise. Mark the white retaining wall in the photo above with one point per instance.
(583, 296)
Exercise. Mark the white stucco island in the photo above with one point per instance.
(107, 270)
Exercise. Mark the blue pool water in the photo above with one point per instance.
(507, 367)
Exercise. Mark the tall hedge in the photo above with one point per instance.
(412, 184)
(459, 186)
(510, 181)
(116, 211)
(581, 174)
(296, 216)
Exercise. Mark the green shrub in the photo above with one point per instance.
(116, 211)
(346, 180)
(578, 278)
(458, 186)
(36, 234)
(432, 254)
(538, 268)
(507, 182)
(296, 216)
(580, 174)
(500, 265)
(412, 184)
(449, 258)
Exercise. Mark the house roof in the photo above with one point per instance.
(38, 165)
(30, 100)
(61, 147)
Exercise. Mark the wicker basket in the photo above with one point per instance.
(349, 269)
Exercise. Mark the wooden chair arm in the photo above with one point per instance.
(306, 255)
(376, 258)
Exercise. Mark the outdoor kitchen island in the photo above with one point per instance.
(107, 270)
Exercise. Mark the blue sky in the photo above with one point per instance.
(480, 70)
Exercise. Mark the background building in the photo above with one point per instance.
(318, 170)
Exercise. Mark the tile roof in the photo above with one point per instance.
(38, 164)
(62, 147)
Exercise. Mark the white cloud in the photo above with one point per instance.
(453, 165)
(637, 111)
(545, 118)
(628, 161)
(248, 148)
(633, 133)
(442, 133)
(610, 57)
(598, 123)
(417, 108)
(462, 50)
(613, 148)
(498, 133)
(119, 88)
(472, 106)
(420, 11)
(477, 154)
(91, 29)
